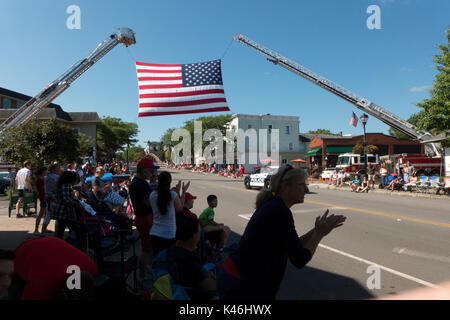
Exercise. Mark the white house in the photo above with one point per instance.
(287, 142)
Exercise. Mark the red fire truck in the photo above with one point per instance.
(424, 165)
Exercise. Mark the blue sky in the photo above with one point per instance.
(392, 67)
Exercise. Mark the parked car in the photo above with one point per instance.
(327, 173)
(4, 182)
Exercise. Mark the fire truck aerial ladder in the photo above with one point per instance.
(55, 88)
(360, 102)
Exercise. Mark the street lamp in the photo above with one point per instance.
(364, 119)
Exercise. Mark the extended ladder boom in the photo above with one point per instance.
(55, 88)
(360, 102)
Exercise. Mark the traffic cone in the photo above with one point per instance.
(325, 180)
(311, 180)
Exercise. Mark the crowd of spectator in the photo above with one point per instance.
(406, 180)
(224, 170)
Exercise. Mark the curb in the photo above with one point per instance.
(378, 191)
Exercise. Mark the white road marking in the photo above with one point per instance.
(400, 274)
(397, 273)
(419, 254)
(316, 209)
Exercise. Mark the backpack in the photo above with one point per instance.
(164, 271)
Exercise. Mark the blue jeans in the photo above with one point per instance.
(384, 179)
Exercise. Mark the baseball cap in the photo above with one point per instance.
(146, 163)
(189, 196)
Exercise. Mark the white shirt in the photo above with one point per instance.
(164, 226)
(80, 174)
(21, 176)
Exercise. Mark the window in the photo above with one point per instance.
(355, 160)
(19, 104)
(291, 146)
(372, 159)
(270, 128)
(6, 103)
(284, 161)
(249, 126)
(288, 129)
(77, 131)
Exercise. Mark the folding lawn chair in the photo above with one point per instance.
(434, 183)
(423, 184)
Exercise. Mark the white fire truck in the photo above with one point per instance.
(426, 162)
(354, 163)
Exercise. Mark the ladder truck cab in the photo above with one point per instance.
(423, 165)
(352, 163)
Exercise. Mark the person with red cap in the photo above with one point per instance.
(188, 204)
(139, 191)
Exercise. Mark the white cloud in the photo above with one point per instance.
(419, 89)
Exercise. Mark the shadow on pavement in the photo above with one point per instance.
(311, 283)
(10, 240)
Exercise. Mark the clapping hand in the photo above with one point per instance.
(178, 187)
(325, 224)
(186, 186)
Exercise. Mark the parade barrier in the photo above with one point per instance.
(29, 200)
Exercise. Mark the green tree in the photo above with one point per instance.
(323, 131)
(209, 122)
(435, 114)
(40, 142)
(135, 153)
(436, 110)
(114, 135)
(84, 145)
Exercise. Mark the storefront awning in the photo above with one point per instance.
(339, 149)
(314, 152)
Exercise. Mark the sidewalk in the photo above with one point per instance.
(317, 185)
(14, 231)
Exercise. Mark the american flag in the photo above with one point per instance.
(166, 89)
(353, 120)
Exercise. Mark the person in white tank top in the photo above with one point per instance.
(165, 204)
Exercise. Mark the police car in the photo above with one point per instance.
(260, 179)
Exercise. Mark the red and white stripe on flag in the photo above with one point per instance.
(166, 89)
(353, 120)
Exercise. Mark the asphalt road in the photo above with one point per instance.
(407, 238)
